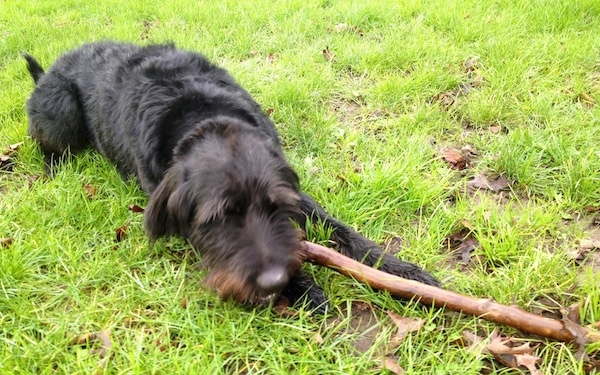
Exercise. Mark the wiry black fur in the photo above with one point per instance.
(207, 155)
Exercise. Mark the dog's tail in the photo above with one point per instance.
(34, 67)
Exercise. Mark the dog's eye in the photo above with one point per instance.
(237, 209)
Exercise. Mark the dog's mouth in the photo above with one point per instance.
(264, 301)
(230, 287)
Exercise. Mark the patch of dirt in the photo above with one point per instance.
(147, 26)
(346, 110)
(363, 323)
(393, 245)
(588, 251)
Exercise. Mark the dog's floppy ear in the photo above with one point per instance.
(158, 220)
(171, 207)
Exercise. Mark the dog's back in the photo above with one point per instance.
(114, 94)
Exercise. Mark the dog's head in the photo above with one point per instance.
(232, 194)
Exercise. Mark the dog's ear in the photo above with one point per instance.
(171, 207)
(181, 207)
(158, 220)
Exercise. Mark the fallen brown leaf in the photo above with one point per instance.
(455, 159)
(91, 191)
(317, 338)
(573, 312)
(340, 27)
(495, 185)
(102, 338)
(580, 335)
(391, 365)
(495, 129)
(121, 232)
(511, 355)
(6, 242)
(6, 162)
(586, 99)
(589, 244)
(592, 367)
(471, 341)
(529, 361)
(327, 54)
(471, 64)
(504, 350)
(135, 208)
(405, 325)
(463, 242)
(146, 26)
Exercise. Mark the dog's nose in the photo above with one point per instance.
(272, 280)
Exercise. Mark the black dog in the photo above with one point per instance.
(207, 155)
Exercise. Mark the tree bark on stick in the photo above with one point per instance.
(429, 295)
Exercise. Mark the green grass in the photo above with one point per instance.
(365, 130)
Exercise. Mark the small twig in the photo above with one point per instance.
(429, 295)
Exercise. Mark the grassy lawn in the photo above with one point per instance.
(463, 135)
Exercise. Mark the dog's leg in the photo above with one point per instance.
(355, 246)
(302, 288)
(56, 119)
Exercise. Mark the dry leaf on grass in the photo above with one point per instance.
(121, 232)
(100, 340)
(586, 99)
(589, 244)
(455, 159)
(317, 338)
(6, 162)
(91, 191)
(343, 27)
(391, 365)
(584, 249)
(573, 312)
(463, 243)
(580, 333)
(327, 54)
(146, 27)
(505, 351)
(405, 325)
(135, 208)
(494, 184)
(6, 242)
(340, 27)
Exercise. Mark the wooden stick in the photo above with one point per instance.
(429, 295)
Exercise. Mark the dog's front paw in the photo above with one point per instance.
(302, 289)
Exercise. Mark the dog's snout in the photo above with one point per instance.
(272, 280)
